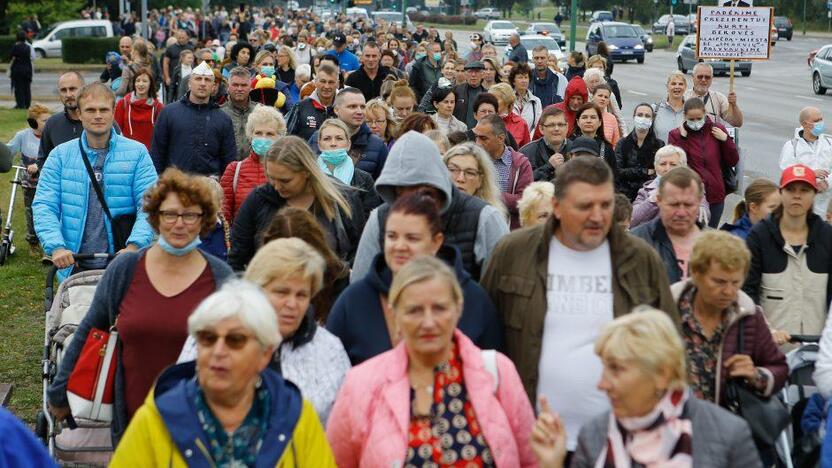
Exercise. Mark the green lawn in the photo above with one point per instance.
(21, 299)
(57, 64)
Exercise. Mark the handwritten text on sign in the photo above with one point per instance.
(734, 33)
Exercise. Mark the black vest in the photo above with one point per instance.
(461, 221)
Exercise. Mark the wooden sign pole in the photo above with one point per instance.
(731, 80)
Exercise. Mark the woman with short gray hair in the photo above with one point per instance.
(645, 208)
(227, 408)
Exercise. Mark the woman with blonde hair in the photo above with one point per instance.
(379, 117)
(402, 100)
(294, 179)
(535, 206)
(264, 125)
(654, 419)
(472, 171)
(291, 273)
(286, 64)
(515, 124)
(670, 113)
(600, 62)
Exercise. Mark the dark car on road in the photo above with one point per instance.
(784, 27)
(622, 39)
(646, 38)
(680, 23)
(686, 59)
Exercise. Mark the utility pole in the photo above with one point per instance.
(804, 17)
(573, 24)
(145, 31)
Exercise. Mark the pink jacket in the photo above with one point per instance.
(369, 424)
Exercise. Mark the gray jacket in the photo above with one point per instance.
(415, 160)
(720, 439)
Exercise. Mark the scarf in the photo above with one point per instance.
(660, 439)
(343, 172)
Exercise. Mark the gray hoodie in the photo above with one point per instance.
(415, 160)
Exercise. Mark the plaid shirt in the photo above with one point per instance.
(503, 167)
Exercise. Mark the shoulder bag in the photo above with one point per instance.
(122, 225)
(766, 416)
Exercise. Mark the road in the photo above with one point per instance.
(770, 98)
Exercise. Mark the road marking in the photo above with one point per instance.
(749, 88)
(637, 93)
(809, 98)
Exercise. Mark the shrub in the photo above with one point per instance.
(6, 44)
(87, 49)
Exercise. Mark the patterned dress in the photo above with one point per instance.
(450, 435)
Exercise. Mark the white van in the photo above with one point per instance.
(48, 43)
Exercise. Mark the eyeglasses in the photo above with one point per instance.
(555, 125)
(467, 173)
(170, 217)
(235, 341)
(703, 77)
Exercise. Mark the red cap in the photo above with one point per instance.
(798, 173)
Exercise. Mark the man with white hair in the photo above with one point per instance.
(518, 50)
(718, 107)
(811, 147)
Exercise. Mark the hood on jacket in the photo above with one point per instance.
(174, 395)
(414, 160)
(576, 86)
(380, 277)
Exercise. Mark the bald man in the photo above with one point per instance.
(812, 147)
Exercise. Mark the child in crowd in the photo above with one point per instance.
(623, 211)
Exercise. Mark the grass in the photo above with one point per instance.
(21, 299)
(57, 64)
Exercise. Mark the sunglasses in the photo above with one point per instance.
(234, 341)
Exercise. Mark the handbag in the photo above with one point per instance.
(766, 416)
(90, 387)
(729, 177)
(121, 226)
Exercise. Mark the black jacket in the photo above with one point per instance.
(463, 101)
(655, 235)
(608, 155)
(422, 76)
(257, 213)
(369, 88)
(633, 162)
(306, 116)
(538, 153)
(197, 138)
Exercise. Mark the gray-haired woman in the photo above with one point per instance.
(226, 408)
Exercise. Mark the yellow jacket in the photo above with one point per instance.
(148, 442)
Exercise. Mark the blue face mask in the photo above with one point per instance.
(268, 70)
(334, 157)
(421, 55)
(178, 251)
(261, 146)
(818, 129)
(437, 56)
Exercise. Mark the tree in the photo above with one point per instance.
(48, 11)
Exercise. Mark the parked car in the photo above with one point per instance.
(686, 59)
(393, 17)
(601, 15)
(488, 13)
(784, 27)
(691, 22)
(822, 70)
(358, 13)
(48, 43)
(680, 23)
(622, 39)
(646, 37)
(530, 41)
(498, 32)
(547, 29)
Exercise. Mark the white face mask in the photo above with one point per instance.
(695, 125)
(642, 123)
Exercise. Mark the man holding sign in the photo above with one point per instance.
(719, 107)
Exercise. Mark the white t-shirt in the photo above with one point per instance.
(579, 302)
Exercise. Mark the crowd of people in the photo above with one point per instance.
(398, 211)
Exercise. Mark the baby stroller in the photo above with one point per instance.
(90, 443)
(796, 448)
(7, 242)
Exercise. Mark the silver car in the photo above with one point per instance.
(686, 59)
(499, 31)
(547, 29)
(822, 70)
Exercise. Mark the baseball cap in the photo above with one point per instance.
(798, 173)
(339, 39)
(474, 65)
(584, 144)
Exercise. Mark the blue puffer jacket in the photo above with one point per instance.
(367, 149)
(60, 205)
